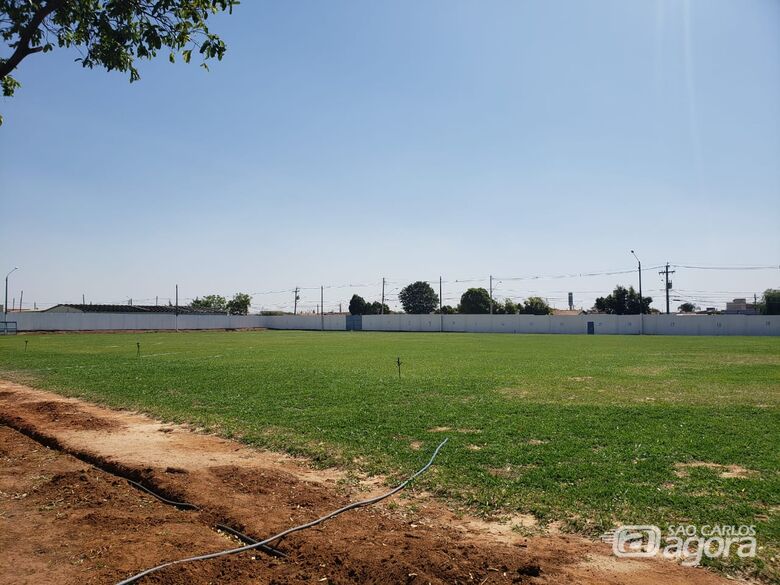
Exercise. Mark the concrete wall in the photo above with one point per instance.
(307, 322)
(603, 324)
(44, 321)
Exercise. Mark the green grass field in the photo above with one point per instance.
(586, 430)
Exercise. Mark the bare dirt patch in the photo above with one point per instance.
(513, 392)
(67, 521)
(724, 471)
(648, 370)
(68, 414)
(509, 471)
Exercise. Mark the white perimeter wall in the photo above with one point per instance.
(109, 321)
(43, 321)
(603, 324)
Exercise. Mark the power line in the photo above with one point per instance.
(726, 267)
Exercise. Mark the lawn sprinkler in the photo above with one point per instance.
(398, 363)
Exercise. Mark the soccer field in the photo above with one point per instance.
(585, 431)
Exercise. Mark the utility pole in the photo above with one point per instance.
(295, 305)
(5, 304)
(21, 298)
(322, 308)
(666, 272)
(176, 310)
(441, 315)
(382, 308)
(491, 294)
(83, 299)
(641, 298)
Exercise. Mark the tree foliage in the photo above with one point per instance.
(475, 301)
(210, 303)
(239, 304)
(770, 302)
(623, 301)
(418, 298)
(536, 306)
(377, 308)
(687, 308)
(112, 34)
(359, 306)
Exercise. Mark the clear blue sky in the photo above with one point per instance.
(340, 142)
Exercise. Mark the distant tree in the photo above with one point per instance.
(475, 301)
(770, 302)
(210, 303)
(623, 301)
(418, 298)
(536, 306)
(687, 308)
(510, 307)
(377, 308)
(239, 304)
(111, 34)
(446, 310)
(357, 305)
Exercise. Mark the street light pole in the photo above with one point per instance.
(5, 305)
(641, 298)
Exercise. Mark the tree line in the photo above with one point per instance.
(238, 305)
(419, 298)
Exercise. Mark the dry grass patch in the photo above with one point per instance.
(724, 471)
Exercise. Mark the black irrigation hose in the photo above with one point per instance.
(249, 540)
(181, 505)
(269, 540)
(187, 506)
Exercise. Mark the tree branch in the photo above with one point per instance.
(23, 48)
